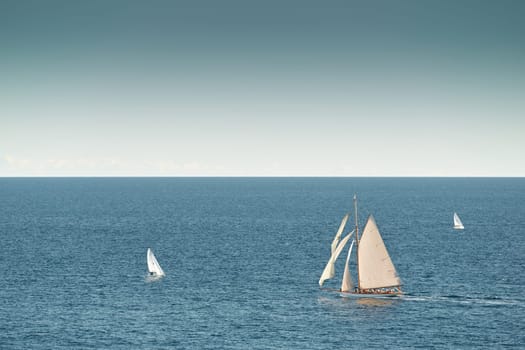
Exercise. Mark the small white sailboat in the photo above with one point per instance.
(458, 225)
(153, 265)
(376, 274)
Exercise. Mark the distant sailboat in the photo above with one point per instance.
(153, 265)
(376, 274)
(458, 225)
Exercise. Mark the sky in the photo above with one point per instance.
(262, 88)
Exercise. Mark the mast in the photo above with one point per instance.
(357, 243)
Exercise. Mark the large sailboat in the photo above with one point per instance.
(458, 225)
(154, 268)
(376, 274)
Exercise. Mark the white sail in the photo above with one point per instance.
(376, 269)
(347, 285)
(458, 225)
(336, 240)
(337, 237)
(329, 270)
(153, 265)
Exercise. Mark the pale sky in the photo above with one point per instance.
(274, 88)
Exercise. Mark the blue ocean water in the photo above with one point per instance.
(243, 256)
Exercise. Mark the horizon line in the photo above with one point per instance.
(262, 176)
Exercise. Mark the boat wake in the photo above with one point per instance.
(458, 299)
(152, 278)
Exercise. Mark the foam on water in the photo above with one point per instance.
(465, 300)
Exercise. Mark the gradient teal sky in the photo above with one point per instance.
(272, 88)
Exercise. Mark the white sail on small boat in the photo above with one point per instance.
(153, 265)
(458, 225)
(376, 274)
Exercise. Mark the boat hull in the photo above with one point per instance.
(370, 295)
(365, 295)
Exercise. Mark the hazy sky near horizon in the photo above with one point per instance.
(269, 88)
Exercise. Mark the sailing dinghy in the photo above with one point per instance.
(458, 225)
(153, 265)
(376, 274)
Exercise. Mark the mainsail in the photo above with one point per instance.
(347, 285)
(329, 270)
(376, 269)
(153, 265)
(458, 225)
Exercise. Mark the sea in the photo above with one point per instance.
(243, 257)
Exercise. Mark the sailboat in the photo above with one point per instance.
(153, 265)
(458, 225)
(376, 274)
